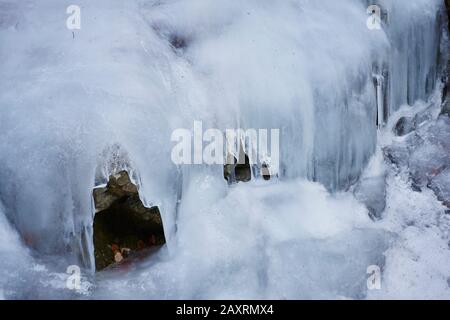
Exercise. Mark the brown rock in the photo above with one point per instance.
(121, 221)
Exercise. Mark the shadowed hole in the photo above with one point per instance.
(124, 228)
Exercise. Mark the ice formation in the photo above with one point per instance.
(137, 70)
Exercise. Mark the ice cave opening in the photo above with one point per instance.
(124, 228)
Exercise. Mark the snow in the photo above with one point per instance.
(417, 264)
(303, 66)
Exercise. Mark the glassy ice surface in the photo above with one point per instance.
(137, 70)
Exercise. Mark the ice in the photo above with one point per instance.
(14, 255)
(73, 103)
(414, 34)
(417, 263)
(371, 188)
(441, 186)
(278, 246)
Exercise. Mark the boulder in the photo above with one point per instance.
(425, 155)
(404, 126)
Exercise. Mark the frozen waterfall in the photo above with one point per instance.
(139, 69)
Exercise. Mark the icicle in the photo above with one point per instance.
(379, 80)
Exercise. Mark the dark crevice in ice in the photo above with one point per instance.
(123, 226)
